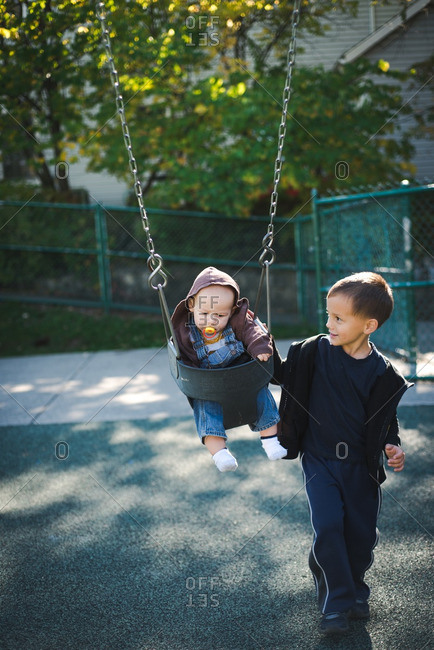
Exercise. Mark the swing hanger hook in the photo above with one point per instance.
(267, 242)
(155, 266)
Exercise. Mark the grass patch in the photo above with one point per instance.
(27, 329)
(46, 329)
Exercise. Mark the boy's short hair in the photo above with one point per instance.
(369, 292)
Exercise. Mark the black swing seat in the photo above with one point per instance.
(234, 387)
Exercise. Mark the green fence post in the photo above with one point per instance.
(318, 268)
(299, 264)
(410, 291)
(102, 256)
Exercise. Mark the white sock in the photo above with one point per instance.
(273, 448)
(224, 461)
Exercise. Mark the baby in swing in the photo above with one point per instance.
(213, 327)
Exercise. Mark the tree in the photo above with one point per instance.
(44, 50)
(202, 84)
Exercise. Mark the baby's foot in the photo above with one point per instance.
(273, 448)
(224, 461)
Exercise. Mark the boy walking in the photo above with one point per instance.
(338, 410)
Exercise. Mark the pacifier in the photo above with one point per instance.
(209, 332)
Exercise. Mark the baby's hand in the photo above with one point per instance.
(263, 357)
(396, 457)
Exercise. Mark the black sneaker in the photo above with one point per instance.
(334, 623)
(359, 610)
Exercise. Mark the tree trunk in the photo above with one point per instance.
(43, 173)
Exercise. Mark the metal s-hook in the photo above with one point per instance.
(267, 242)
(155, 266)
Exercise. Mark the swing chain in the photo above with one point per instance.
(268, 239)
(155, 261)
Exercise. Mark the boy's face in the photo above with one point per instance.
(212, 307)
(345, 328)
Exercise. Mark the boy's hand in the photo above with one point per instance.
(396, 457)
(263, 357)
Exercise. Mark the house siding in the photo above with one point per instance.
(102, 187)
(403, 49)
(343, 32)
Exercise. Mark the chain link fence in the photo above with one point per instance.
(48, 252)
(391, 233)
(95, 256)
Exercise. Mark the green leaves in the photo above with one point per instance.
(202, 85)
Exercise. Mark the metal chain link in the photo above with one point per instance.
(268, 238)
(155, 261)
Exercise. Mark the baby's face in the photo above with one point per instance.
(212, 307)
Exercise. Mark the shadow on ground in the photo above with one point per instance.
(124, 535)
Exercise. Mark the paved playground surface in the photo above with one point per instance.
(118, 531)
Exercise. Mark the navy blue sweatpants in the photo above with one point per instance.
(344, 503)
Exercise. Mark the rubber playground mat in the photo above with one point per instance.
(124, 535)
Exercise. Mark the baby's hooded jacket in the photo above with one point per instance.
(255, 339)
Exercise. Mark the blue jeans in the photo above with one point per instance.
(209, 415)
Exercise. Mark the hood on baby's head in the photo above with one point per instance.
(211, 276)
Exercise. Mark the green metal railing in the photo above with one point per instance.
(105, 256)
